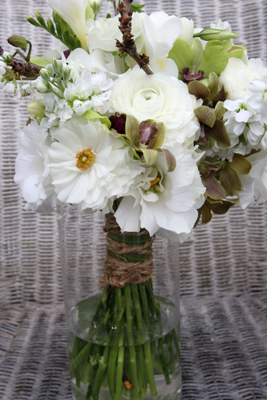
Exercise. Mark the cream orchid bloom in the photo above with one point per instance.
(74, 13)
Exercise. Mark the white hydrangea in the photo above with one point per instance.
(89, 167)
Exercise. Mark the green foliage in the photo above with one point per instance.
(215, 58)
(58, 28)
(137, 7)
(182, 54)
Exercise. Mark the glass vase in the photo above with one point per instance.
(121, 294)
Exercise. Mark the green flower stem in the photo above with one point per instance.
(163, 362)
(146, 346)
(141, 371)
(120, 365)
(129, 327)
(113, 355)
(103, 363)
(81, 356)
(139, 350)
(85, 371)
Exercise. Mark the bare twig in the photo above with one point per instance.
(22, 68)
(128, 45)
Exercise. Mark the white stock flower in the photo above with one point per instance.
(159, 97)
(31, 168)
(89, 91)
(74, 13)
(164, 202)
(89, 166)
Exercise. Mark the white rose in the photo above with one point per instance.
(159, 97)
(237, 76)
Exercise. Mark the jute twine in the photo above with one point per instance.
(118, 272)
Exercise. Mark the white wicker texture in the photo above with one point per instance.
(223, 266)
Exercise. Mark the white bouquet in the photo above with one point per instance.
(145, 117)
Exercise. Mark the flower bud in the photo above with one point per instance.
(45, 74)
(36, 109)
(215, 34)
(18, 41)
(41, 85)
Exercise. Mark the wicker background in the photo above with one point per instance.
(223, 266)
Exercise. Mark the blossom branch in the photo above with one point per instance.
(128, 45)
(24, 68)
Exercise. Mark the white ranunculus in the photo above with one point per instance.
(31, 168)
(74, 13)
(164, 202)
(237, 76)
(159, 97)
(88, 166)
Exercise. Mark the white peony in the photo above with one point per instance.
(158, 97)
(88, 166)
(164, 202)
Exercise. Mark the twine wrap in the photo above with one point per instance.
(118, 270)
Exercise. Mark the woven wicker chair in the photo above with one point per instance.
(223, 266)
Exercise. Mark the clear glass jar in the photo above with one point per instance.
(123, 331)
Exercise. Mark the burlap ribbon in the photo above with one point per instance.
(119, 272)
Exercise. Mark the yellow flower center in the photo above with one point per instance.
(153, 183)
(85, 159)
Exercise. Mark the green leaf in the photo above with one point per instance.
(149, 155)
(213, 188)
(132, 130)
(182, 54)
(137, 7)
(213, 84)
(215, 59)
(197, 50)
(236, 51)
(206, 213)
(240, 164)
(206, 115)
(157, 142)
(18, 41)
(40, 61)
(90, 114)
(230, 181)
(219, 110)
(221, 208)
(199, 90)
(219, 133)
(170, 159)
